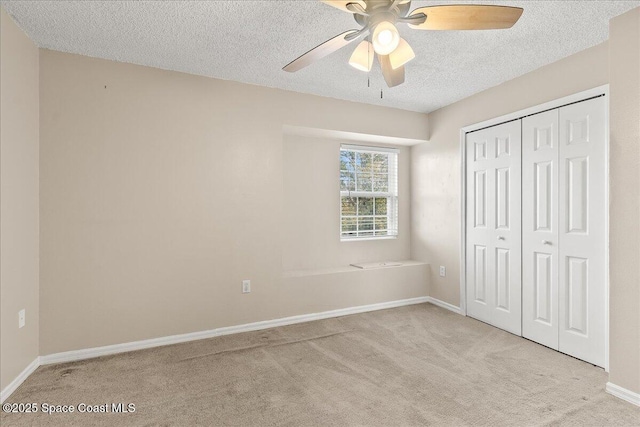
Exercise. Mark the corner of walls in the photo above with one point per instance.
(624, 205)
(19, 204)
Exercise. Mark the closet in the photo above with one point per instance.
(535, 225)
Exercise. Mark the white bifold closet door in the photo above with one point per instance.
(494, 226)
(564, 230)
(540, 228)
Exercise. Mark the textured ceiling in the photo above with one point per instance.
(250, 41)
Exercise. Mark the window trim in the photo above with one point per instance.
(392, 207)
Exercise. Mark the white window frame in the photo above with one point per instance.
(391, 195)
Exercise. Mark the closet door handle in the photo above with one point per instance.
(546, 242)
(500, 237)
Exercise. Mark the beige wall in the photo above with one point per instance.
(161, 191)
(435, 165)
(624, 44)
(312, 241)
(154, 186)
(18, 199)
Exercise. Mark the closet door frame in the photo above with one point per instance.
(571, 99)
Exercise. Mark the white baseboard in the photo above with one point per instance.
(445, 305)
(70, 356)
(623, 393)
(13, 385)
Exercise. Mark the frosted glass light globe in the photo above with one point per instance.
(385, 38)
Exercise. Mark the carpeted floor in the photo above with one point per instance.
(417, 365)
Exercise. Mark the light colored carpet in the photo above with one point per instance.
(417, 365)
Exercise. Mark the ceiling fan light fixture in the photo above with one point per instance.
(362, 58)
(377, 20)
(385, 38)
(401, 55)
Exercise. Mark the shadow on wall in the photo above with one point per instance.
(435, 212)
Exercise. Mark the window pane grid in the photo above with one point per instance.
(369, 192)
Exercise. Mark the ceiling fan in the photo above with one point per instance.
(378, 18)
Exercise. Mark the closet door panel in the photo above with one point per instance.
(582, 208)
(493, 226)
(540, 228)
(479, 209)
(506, 260)
(478, 206)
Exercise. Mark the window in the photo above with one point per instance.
(368, 192)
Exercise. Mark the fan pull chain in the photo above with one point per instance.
(380, 93)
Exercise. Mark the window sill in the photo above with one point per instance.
(291, 274)
(366, 239)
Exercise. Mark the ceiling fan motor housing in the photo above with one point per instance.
(381, 10)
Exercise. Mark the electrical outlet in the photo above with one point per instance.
(246, 286)
(443, 271)
(21, 318)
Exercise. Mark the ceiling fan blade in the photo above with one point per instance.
(467, 17)
(321, 51)
(342, 4)
(391, 76)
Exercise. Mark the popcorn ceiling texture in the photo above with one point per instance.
(250, 42)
